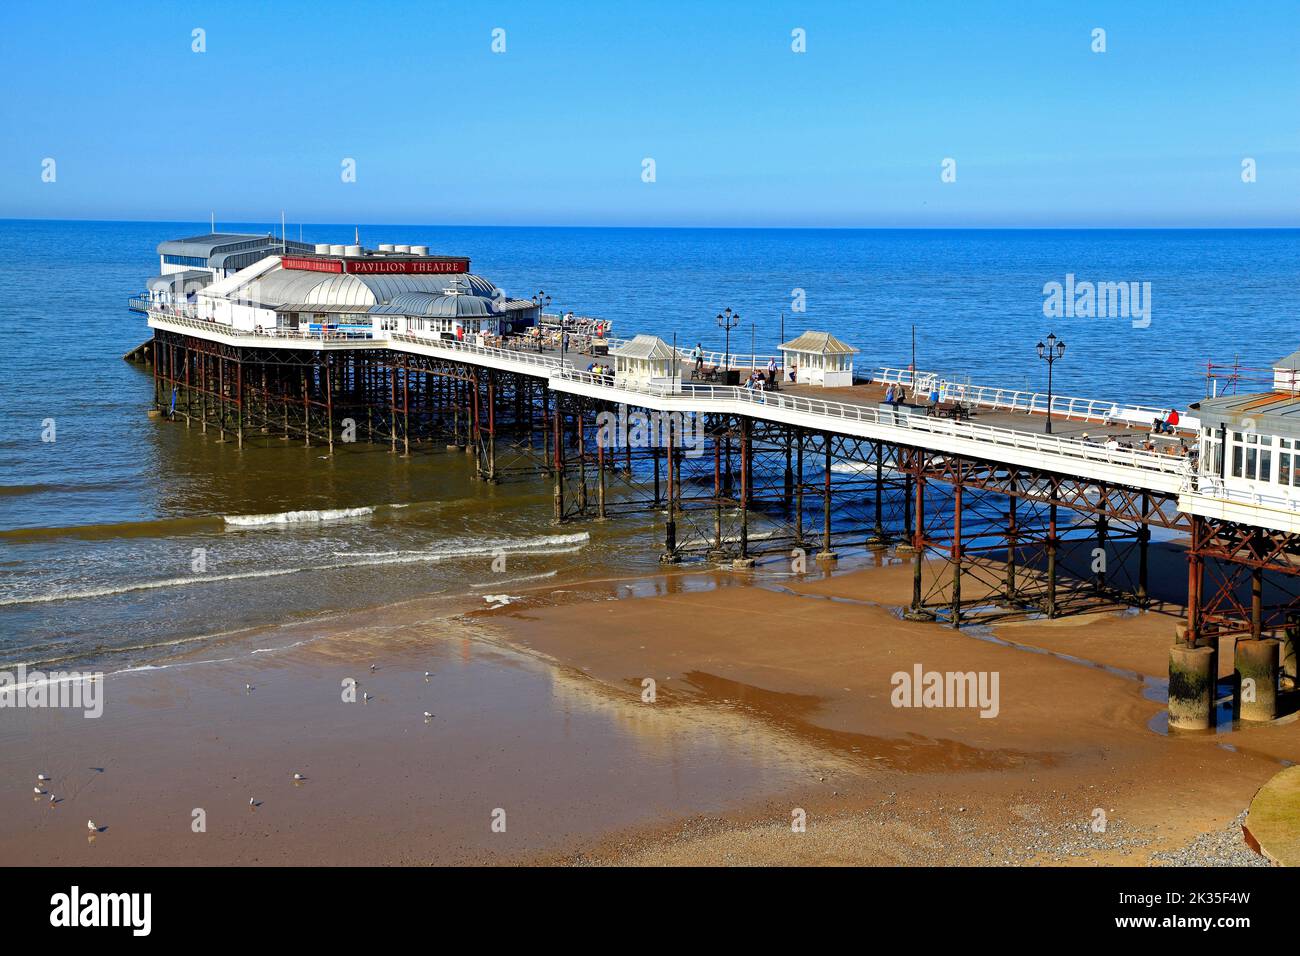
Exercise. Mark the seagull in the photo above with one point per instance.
(298, 776)
(248, 688)
(42, 777)
(366, 697)
(90, 825)
(38, 791)
(428, 716)
(427, 675)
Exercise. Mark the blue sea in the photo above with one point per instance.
(100, 528)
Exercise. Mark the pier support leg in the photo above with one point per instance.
(1049, 605)
(406, 409)
(717, 553)
(1144, 548)
(1257, 669)
(1102, 556)
(787, 498)
(956, 554)
(670, 528)
(1012, 532)
(798, 492)
(826, 554)
(1191, 687)
(917, 611)
(600, 486)
(877, 541)
(557, 467)
(746, 489)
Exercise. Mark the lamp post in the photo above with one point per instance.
(541, 300)
(728, 320)
(1050, 351)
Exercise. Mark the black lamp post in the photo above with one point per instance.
(728, 320)
(1049, 352)
(541, 300)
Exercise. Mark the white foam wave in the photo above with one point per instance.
(544, 545)
(296, 517)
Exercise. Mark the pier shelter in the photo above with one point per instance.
(645, 360)
(819, 358)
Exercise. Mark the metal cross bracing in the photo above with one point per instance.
(1243, 581)
(1003, 540)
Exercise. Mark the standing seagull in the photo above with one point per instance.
(90, 825)
(42, 777)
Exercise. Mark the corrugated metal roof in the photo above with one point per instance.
(188, 280)
(820, 343)
(205, 246)
(436, 305)
(644, 347)
(1266, 413)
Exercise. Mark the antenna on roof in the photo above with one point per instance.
(357, 234)
(282, 239)
(213, 217)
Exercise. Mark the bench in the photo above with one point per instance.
(954, 410)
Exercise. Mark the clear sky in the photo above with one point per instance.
(742, 130)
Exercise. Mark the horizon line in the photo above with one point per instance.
(878, 228)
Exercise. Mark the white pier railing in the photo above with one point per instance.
(1147, 461)
(1172, 469)
(1024, 400)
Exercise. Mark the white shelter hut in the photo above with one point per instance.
(645, 360)
(819, 359)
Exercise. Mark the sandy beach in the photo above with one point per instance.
(771, 704)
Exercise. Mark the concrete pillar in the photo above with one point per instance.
(1257, 662)
(1192, 684)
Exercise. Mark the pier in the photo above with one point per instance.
(996, 517)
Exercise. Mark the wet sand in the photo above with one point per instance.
(772, 696)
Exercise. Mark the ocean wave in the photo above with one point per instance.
(543, 545)
(508, 546)
(297, 517)
(153, 528)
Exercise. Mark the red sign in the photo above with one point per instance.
(311, 265)
(385, 266)
(379, 265)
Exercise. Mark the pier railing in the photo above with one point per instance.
(537, 359)
(1212, 486)
(190, 321)
(897, 417)
(1078, 449)
(1022, 400)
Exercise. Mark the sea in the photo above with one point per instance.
(125, 540)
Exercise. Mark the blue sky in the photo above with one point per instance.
(743, 131)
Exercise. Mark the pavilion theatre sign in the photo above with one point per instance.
(377, 266)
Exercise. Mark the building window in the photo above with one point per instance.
(194, 261)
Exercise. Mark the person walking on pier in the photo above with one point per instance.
(771, 372)
(697, 356)
(889, 394)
